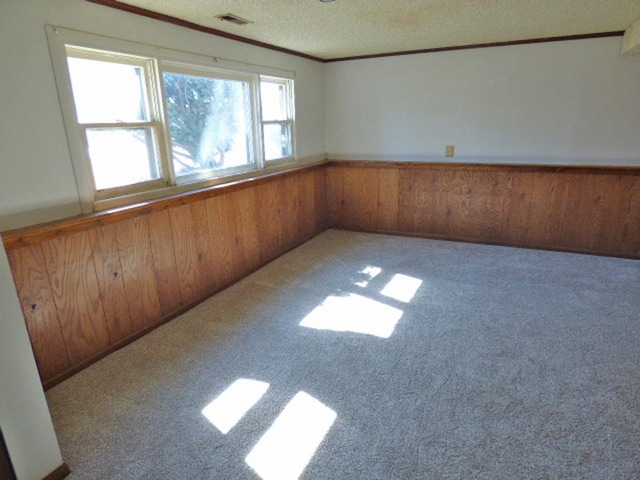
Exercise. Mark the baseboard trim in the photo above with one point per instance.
(59, 473)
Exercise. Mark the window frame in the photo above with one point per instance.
(208, 72)
(160, 60)
(152, 97)
(289, 121)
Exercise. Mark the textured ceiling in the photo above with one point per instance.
(346, 28)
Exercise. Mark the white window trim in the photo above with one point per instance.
(290, 108)
(153, 101)
(164, 59)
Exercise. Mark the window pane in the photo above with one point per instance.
(122, 156)
(277, 141)
(274, 101)
(210, 123)
(106, 92)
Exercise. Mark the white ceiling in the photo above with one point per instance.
(345, 28)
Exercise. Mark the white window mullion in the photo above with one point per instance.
(164, 135)
(257, 124)
(165, 140)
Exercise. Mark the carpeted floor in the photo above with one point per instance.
(361, 356)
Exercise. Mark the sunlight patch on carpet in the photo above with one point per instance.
(402, 288)
(231, 405)
(370, 272)
(354, 313)
(285, 450)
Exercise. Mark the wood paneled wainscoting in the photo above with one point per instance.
(581, 209)
(91, 284)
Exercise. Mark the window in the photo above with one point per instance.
(277, 118)
(142, 124)
(211, 124)
(116, 114)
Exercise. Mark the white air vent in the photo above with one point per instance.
(230, 17)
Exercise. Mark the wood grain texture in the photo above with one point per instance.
(364, 199)
(307, 206)
(320, 213)
(533, 198)
(204, 246)
(91, 284)
(247, 242)
(104, 246)
(186, 252)
(359, 198)
(164, 262)
(621, 222)
(602, 213)
(222, 229)
(134, 248)
(592, 210)
(174, 252)
(269, 211)
(76, 294)
(36, 234)
(34, 291)
(388, 199)
(335, 187)
(287, 195)
(462, 204)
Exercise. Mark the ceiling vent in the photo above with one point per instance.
(230, 17)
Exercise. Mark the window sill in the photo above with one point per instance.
(160, 193)
(35, 233)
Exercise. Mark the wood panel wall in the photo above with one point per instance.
(590, 210)
(92, 284)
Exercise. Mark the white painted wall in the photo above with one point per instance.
(24, 415)
(37, 182)
(566, 102)
(36, 175)
(631, 39)
(572, 102)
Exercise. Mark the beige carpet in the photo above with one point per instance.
(361, 356)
